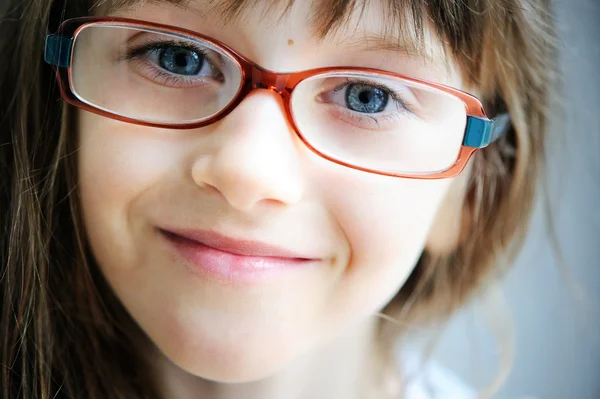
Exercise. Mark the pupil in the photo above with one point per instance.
(181, 60)
(366, 98)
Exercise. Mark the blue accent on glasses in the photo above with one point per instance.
(58, 51)
(481, 132)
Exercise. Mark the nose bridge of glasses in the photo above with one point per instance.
(264, 79)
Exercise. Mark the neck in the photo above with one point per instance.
(341, 367)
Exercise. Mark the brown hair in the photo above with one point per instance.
(63, 334)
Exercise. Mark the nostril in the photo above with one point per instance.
(210, 189)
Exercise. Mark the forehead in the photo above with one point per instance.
(397, 25)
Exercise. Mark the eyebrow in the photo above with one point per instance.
(410, 46)
(111, 6)
(374, 42)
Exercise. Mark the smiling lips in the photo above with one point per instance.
(237, 261)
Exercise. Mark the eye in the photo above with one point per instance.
(181, 60)
(365, 98)
(175, 63)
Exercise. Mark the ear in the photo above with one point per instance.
(446, 231)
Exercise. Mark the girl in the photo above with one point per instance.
(227, 199)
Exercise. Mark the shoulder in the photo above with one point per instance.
(430, 380)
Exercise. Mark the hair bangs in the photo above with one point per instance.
(403, 25)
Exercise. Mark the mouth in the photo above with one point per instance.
(213, 255)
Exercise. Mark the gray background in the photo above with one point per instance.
(556, 309)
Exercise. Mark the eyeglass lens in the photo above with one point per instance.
(365, 119)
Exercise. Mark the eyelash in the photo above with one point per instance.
(393, 94)
(150, 47)
(401, 105)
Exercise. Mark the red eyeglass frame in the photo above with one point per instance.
(255, 77)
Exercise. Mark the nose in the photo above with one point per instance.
(256, 158)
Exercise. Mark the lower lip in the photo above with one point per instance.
(225, 266)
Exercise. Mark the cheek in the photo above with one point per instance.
(386, 222)
(115, 168)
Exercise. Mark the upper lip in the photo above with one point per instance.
(236, 246)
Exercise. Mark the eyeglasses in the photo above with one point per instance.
(366, 119)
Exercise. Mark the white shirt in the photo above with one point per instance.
(432, 381)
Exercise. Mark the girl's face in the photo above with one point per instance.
(297, 248)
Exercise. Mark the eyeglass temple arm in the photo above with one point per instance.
(481, 132)
(57, 50)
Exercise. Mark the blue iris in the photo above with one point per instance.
(181, 61)
(366, 99)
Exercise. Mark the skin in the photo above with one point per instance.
(249, 176)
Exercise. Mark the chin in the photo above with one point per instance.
(225, 362)
(232, 369)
